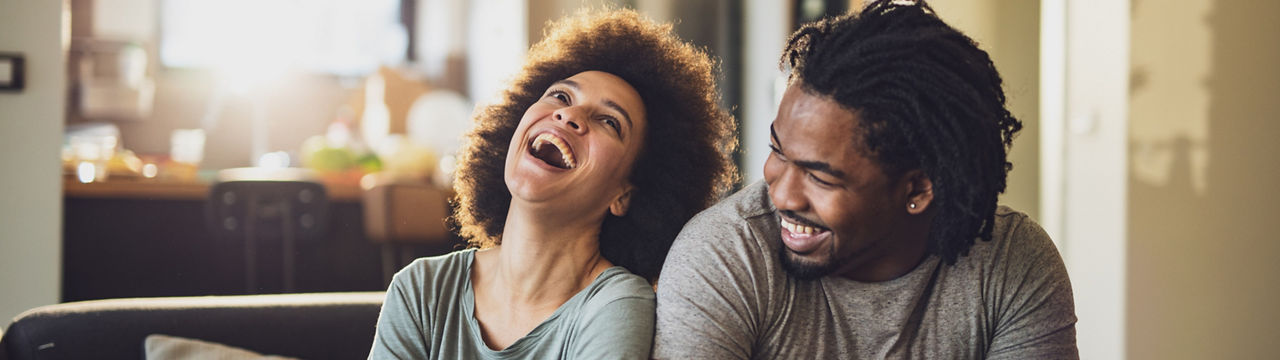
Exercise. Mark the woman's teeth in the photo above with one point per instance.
(566, 154)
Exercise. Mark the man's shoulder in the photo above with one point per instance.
(738, 238)
(1018, 244)
(1026, 289)
(735, 213)
(1015, 232)
(739, 222)
(1007, 216)
(751, 201)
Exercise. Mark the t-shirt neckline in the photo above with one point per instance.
(521, 344)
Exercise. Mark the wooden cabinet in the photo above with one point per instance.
(146, 239)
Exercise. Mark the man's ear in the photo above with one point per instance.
(919, 191)
(620, 204)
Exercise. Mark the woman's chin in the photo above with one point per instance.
(534, 190)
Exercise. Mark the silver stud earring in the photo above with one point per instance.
(912, 205)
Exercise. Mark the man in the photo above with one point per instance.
(876, 232)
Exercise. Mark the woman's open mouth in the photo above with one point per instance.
(553, 150)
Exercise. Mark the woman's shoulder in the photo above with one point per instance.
(614, 284)
(436, 272)
(615, 319)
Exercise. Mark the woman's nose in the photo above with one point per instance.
(570, 116)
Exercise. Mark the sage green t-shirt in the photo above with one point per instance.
(429, 314)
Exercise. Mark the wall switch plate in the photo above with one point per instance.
(11, 72)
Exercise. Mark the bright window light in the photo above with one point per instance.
(254, 38)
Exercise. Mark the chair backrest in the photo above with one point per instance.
(232, 203)
(253, 212)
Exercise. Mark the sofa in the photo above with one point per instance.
(309, 326)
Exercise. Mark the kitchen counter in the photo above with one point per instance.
(128, 188)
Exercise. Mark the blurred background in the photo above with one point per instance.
(1147, 151)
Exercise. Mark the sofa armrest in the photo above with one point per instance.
(312, 326)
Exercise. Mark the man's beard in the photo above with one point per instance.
(805, 269)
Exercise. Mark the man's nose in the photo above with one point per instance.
(786, 191)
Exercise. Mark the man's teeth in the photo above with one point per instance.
(565, 154)
(799, 229)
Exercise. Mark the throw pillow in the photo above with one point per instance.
(163, 347)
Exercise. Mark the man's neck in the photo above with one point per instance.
(906, 249)
(883, 268)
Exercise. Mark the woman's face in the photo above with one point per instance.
(575, 146)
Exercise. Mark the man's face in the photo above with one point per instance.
(838, 209)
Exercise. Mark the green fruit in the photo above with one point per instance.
(369, 163)
(331, 159)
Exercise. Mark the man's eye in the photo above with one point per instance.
(819, 181)
(774, 151)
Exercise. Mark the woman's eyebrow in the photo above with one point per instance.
(619, 108)
(569, 83)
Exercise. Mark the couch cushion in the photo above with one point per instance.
(323, 325)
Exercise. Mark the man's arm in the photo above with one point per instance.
(711, 294)
(1035, 307)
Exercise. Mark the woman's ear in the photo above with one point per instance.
(620, 204)
(919, 191)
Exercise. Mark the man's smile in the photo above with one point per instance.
(802, 238)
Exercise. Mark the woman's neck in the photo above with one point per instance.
(543, 259)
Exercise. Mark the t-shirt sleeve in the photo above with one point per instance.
(1035, 307)
(401, 330)
(709, 300)
(621, 329)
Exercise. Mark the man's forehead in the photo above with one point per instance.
(814, 129)
(817, 118)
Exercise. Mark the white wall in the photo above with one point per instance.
(765, 33)
(31, 125)
(1203, 276)
(125, 19)
(498, 36)
(1084, 88)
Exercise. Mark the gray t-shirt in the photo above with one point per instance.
(723, 295)
(429, 314)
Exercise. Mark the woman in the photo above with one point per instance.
(573, 188)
